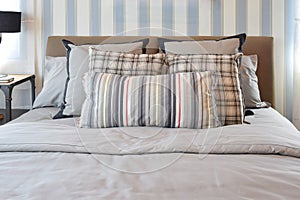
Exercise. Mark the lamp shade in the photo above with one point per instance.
(10, 22)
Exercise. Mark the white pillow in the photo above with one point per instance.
(55, 76)
(78, 66)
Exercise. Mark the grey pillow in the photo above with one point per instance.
(78, 62)
(55, 76)
(249, 82)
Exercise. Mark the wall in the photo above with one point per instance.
(176, 17)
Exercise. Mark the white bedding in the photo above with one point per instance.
(40, 156)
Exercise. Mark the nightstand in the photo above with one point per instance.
(7, 89)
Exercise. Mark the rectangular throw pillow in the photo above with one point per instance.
(55, 76)
(78, 65)
(182, 100)
(228, 45)
(127, 63)
(227, 92)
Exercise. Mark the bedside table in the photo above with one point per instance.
(7, 89)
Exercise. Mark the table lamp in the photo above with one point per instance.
(10, 22)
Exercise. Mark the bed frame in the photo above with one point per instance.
(260, 45)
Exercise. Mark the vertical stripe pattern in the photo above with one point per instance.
(266, 17)
(47, 20)
(193, 18)
(156, 14)
(205, 17)
(159, 17)
(131, 17)
(167, 17)
(241, 12)
(95, 18)
(217, 17)
(229, 17)
(83, 17)
(180, 17)
(289, 52)
(253, 17)
(59, 22)
(182, 100)
(144, 17)
(119, 17)
(71, 17)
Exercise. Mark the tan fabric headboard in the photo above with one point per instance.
(262, 46)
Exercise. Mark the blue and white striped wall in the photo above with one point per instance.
(144, 17)
(179, 17)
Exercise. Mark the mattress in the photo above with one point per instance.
(259, 159)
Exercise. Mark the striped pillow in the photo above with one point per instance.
(127, 63)
(182, 100)
(227, 92)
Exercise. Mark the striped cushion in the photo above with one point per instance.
(127, 63)
(176, 100)
(227, 91)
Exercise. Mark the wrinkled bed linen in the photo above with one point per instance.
(259, 160)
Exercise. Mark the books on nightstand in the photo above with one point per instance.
(6, 79)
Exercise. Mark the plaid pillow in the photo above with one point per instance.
(182, 100)
(127, 63)
(227, 92)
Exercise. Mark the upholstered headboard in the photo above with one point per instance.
(262, 46)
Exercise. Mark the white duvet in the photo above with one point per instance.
(41, 158)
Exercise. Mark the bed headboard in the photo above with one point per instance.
(260, 45)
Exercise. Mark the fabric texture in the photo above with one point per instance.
(227, 45)
(227, 92)
(77, 65)
(182, 100)
(55, 75)
(127, 63)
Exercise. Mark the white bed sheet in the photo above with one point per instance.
(41, 156)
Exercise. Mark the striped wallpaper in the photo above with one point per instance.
(177, 17)
(158, 17)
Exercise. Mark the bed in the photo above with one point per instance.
(259, 159)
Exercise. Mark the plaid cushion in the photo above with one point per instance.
(182, 100)
(127, 63)
(227, 92)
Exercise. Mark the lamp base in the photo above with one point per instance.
(3, 75)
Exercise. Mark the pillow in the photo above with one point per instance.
(127, 63)
(227, 92)
(55, 75)
(77, 65)
(228, 45)
(249, 82)
(182, 100)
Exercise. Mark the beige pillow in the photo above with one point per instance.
(228, 45)
(203, 47)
